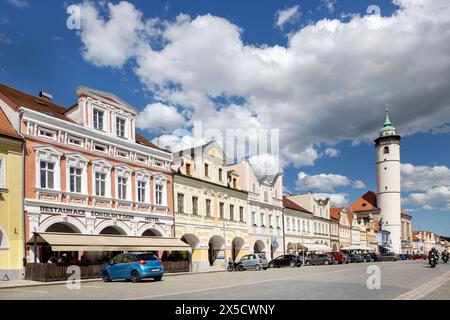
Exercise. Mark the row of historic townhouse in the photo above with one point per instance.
(86, 170)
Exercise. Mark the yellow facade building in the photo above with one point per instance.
(11, 195)
(210, 207)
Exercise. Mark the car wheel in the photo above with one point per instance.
(272, 265)
(307, 263)
(106, 277)
(135, 277)
(265, 268)
(292, 264)
(257, 267)
(158, 278)
(326, 262)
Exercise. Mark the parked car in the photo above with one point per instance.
(319, 259)
(389, 256)
(419, 256)
(255, 261)
(286, 260)
(369, 257)
(405, 256)
(133, 266)
(339, 257)
(355, 257)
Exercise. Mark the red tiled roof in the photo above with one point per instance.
(350, 217)
(18, 99)
(335, 213)
(367, 202)
(6, 128)
(292, 205)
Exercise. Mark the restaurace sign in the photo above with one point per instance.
(92, 213)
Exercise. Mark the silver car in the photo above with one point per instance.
(255, 261)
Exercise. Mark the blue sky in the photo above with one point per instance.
(341, 111)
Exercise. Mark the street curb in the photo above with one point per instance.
(422, 291)
(55, 283)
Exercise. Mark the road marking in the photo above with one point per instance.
(423, 290)
(29, 291)
(237, 285)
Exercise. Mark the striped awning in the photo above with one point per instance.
(355, 247)
(87, 242)
(314, 247)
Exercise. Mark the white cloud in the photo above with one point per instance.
(159, 117)
(110, 42)
(423, 178)
(332, 152)
(321, 182)
(426, 186)
(21, 4)
(265, 164)
(359, 185)
(325, 182)
(289, 15)
(336, 199)
(328, 84)
(329, 4)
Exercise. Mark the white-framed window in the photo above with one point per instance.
(75, 141)
(143, 186)
(75, 178)
(288, 223)
(48, 168)
(303, 226)
(76, 173)
(47, 175)
(47, 133)
(2, 172)
(99, 119)
(122, 184)
(141, 190)
(253, 218)
(100, 184)
(278, 221)
(121, 124)
(160, 190)
(142, 159)
(270, 220)
(122, 153)
(99, 147)
(261, 219)
(101, 178)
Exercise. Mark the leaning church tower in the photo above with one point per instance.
(387, 147)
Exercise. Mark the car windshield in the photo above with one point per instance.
(147, 256)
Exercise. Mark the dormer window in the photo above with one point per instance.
(99, 116)
(120, 127)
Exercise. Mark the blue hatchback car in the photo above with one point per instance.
(133, 266)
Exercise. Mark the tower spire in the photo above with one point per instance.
(388, 128)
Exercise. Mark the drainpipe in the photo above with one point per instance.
(24, 250)
(284, 237)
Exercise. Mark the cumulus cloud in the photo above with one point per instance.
(329, 83)
(332, 152)
(325, 182)
(158, 117)
(289, 15)
(358, 184)
(423, 178)
(110, 42)
(426, 186)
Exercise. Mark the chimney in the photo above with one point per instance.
(45, 95)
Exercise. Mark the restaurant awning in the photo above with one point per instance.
(355, 247)
(84, 242)
(314, 247)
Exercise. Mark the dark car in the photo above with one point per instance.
(285, 261)
(389, 256)
(319, 259)
(369, 257)
(405, 256)
(355, 257)
(419, 256)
